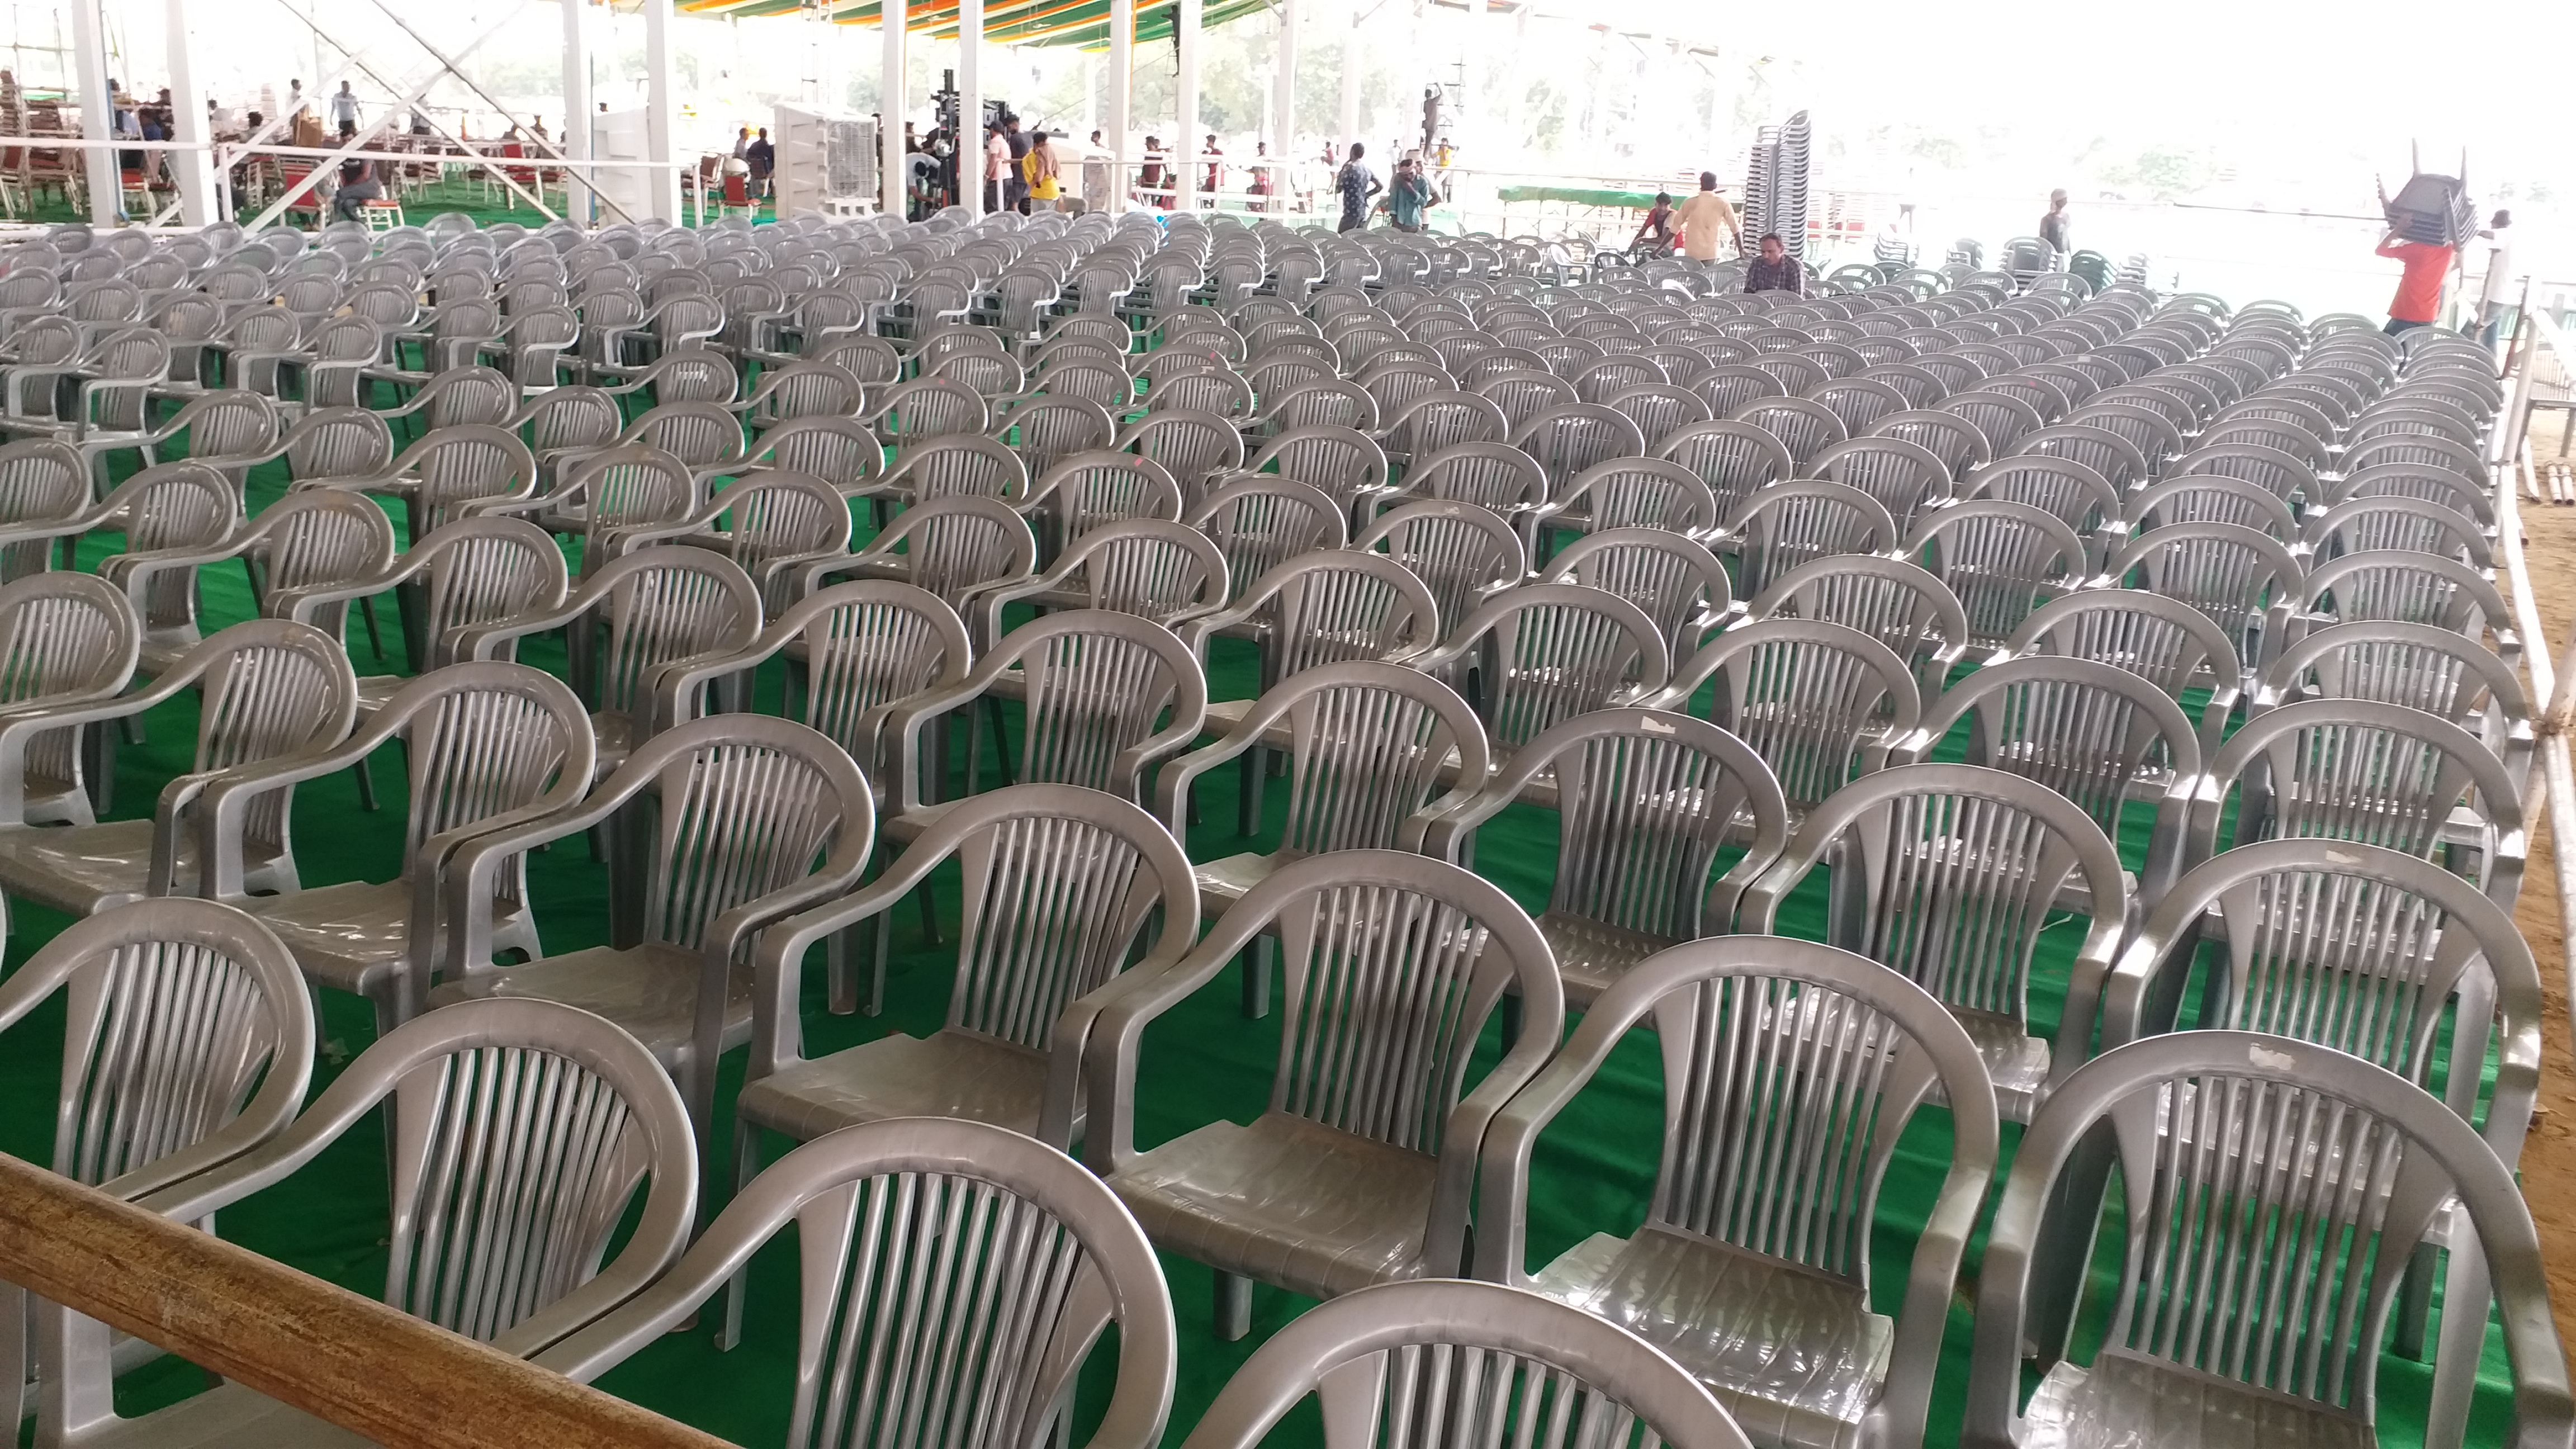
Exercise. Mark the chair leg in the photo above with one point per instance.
(1233, 1306)
(2466, 1298)
(366, 785)
(1001, 739)
(929, 902)
(1256, 773)
(375, 638)
(1256, 978)
(1509, 1010)
(746, 1166)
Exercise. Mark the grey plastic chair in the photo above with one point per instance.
(2002, 560)
(2396, 523)
(1948, 875)
(1054, 424)
(1087, 490)
(1644, 802)
(910, 1333)
(440, 477)
(652, 608)
(1368, 747)
(1626, 492)
(322, 539)
(2245, 581)
(1059, 886)
(1784, 525)
(2408, 586)
(1542, 653)
(1790, 1068)
(1907, 479)
(1150, 567)
(2370, 773)
(1464, 552)
(1949, 437)
(1261, 521)
(758, 818)
(488, 745)
(1501, 1365)
(1678, 582)
(271, 689)
(2358, 948)
(1323, 607)
(1095, 686)
(189, 1041)
(952, 547)
(185, 508)
(1361, 1170)
(2104, 738)
(1899, 604)
(65, 639)
(44, 486)
(954, 465)
(2165, 641)
(1818, 701)
(2209, 1118)
(587, 1114)
(1733, 459)
(2421, 666)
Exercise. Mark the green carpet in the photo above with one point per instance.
(1202, 1062)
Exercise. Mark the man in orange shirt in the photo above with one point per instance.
(2419, 291)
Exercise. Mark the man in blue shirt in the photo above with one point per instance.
(1357, 184)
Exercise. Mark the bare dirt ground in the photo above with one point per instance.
(2549, 1159)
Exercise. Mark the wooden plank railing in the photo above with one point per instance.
(332, 1353)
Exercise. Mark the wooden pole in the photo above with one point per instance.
(358, 1363)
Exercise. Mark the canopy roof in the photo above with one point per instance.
(1009, 22)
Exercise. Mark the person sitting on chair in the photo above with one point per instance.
(1775, 270)
(358, 186)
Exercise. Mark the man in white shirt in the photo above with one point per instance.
(1702, 217)
(344, 111)
(2496, 297)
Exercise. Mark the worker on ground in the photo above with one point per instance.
(1038, 169)
(760, 158)
(1410, 194)
(1654, 236)
(358, 186)
(1702, 217)
(1356, 183)
(2419, 289)
(1775, 270)
(2495, 294)
(2054, 228)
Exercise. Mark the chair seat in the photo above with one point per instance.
(2126, 1399)
(375, 689)
(1291, 1202)
(1792, 1352)
(84, 869)
(950, 1074)
(1223, 882)
(1592, 955)
(2018, 1061)
(650, 990)
(228, 1416)
(350, 937)
(615, 731)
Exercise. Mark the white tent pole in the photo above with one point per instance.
(660, 118)
(890, 107)
(1352, 60)
(970, 105)
(1186, 146)
(98, 112)
(1122, 92)
(194, 169)
(578, 117)
(1283, 97)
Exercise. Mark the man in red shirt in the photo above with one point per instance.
(2419, 291)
